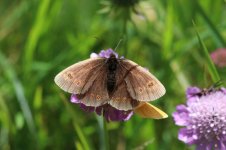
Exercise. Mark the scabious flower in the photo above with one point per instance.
(104, 53)
(110, 113)
(137, 12)
(125, 3)
(203, 118)
(219, 57)
(121, 4)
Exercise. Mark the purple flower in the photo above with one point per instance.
(203, 118)
(219, 57)
(110, 113)
(104, 53)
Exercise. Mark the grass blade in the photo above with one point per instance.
(11, 74)
(37, 30)
(216, 34)
(212, 69)
(78, 130)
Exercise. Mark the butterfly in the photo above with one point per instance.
(119, 82)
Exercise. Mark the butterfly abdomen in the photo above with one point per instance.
(111, 75)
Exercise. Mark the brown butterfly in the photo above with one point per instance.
(116, 81)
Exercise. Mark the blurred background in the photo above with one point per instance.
(39, 38)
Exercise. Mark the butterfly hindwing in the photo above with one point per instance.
(141, 84)
(78, 78)
(97, 94)
(121, 98)
(147, 110)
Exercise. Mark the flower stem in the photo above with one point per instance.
(106, 134)
(104, 139)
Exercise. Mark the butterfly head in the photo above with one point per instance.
(112, 55)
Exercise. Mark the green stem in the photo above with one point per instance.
(104, 139)
(106, 134)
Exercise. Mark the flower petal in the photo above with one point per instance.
(192, 91)
(222, 145)
(113, 114)
(206, 146)
(186, 136)
(107, 53)
(94, 55)
(74, 99)
(223, 90)
(181, 115)
(87, 108)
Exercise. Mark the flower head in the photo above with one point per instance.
(219, 57)
(104, 53)
(203, 118)
(110, 113)
(125, 3)
(121, 9)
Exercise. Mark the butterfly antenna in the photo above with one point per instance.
(118, 44)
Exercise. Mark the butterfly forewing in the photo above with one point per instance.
(79, 77)
(141, 84)
(97, 94)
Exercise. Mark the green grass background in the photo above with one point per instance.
(39, 38)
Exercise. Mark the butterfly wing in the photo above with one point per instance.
(147, 110)
(141, 84)
(79, 77)
(121, 98)
(97, 94)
